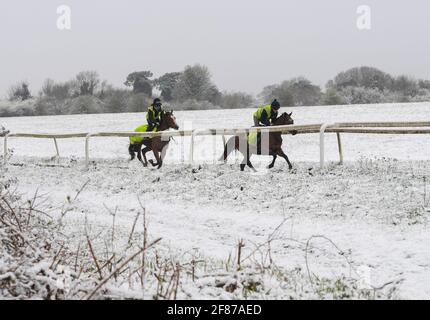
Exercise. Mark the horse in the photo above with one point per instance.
(274, 146)
(156, 144)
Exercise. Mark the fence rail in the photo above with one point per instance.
(418, 127)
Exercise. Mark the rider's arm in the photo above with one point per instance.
(265, 119)
(151, 120)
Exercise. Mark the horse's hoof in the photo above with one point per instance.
(269, 167)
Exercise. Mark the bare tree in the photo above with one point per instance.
(88, 82)
(19, 91)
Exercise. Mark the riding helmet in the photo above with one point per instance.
(275, 104)
(157, 102)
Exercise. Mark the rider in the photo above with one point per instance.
(154, 114)
(265, 115)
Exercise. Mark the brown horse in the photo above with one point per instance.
(274, 147)
(157, 144)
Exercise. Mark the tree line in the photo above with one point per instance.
(194, 89)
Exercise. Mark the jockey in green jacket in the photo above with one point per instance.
(266, 114)
(154, 114)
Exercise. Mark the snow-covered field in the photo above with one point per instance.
(370, 216)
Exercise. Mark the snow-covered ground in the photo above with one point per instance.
(374, 209)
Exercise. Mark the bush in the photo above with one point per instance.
(17, 108)
(235, 100)
(332, 97)
(115, 100)
(360, 95)
(366, 77)
(84, 104)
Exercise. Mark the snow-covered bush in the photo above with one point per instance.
(361, 95)
(84, 104)
(27, 248)
(17, 108)
(233, 100)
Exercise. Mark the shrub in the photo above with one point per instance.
(84, 104)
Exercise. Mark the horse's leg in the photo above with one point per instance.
(273, 161)
(157, 158)
(156, 149)
(245, 154)
(163, 154)
(283, 155)
(250, 164)
(242, 165)
(139, 152)
(131, 151)
(144, 151)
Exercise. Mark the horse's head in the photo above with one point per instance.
(169, 120)
(284, 119)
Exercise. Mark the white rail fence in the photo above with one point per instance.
(338, 128)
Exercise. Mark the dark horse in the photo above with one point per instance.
(157, 144)
(274, 147)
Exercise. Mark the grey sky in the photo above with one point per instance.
(247, 44)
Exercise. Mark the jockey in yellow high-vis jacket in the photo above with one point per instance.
(266, 114)
(154, 114)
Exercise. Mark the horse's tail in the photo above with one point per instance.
(228, 148)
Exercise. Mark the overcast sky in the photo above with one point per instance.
(247, 44)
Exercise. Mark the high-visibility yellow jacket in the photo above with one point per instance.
(259, 113)
(264, 114)
(153, 116)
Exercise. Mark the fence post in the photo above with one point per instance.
(5, 148)
(322, 147)
(193, 136)
(56, 148)
(192, 148)
(224, 145)
(87, 150)
(339, 147)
